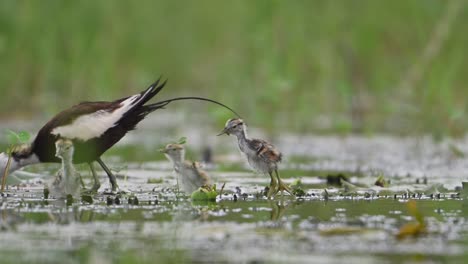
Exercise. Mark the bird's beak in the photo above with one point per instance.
(225, 131)
(162, 150)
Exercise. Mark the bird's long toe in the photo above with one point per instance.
(271, 191)
(96, 187)
(284, 187)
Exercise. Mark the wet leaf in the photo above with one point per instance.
(298, 191)
(296, 187)
(205, 193)
(182, 140)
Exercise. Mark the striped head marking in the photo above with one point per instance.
(64, 148)
(233, 126)
(174, 152)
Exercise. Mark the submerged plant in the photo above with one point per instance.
(15, 140)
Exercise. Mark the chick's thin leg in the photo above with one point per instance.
(273, 186)
(282, 186)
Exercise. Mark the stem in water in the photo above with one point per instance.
(5, 173)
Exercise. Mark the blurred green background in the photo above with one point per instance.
(318, 66)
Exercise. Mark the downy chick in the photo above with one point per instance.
(67, 180)
(189, 175)
(261, 155)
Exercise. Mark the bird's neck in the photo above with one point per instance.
(67, 166)
(178, 159)
(242, 137)
(178, 162)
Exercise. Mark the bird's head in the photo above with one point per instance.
(174, 152)
(233, 126)
(64, 149)
(21, 155)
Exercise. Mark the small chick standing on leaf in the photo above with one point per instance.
(189, 175)
(261, 155)
(67, 180)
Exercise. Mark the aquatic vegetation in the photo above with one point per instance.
(381, 181)
(206, 193)
(297, 188)
(343, 220)
(15, 141)
(154, 180)
(415, 228)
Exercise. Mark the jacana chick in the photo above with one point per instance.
(67, 180)
(189, 175)
(262, 156)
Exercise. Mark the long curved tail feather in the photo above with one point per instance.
(146, 109)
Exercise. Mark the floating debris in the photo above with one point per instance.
(381, 182)
(87, 199)
(336, 179)
(413, 229)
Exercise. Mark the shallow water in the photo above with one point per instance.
(355, 223)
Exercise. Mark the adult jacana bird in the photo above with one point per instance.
(94, 127)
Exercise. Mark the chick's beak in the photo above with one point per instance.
(162, 150)
(225, 131)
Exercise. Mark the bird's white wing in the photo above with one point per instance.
(95, 124)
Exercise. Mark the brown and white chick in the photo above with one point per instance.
(262, 156)
(189, 175)
(67, 180)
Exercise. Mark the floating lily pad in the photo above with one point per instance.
(205, 193)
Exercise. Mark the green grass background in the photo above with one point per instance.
(302, 65)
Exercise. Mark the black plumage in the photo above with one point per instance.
(90, 150)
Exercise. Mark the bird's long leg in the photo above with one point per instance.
(97, 183)
(282, 186)
(273, 185)
(111, 176)
(81, 181)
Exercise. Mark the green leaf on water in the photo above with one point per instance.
(205, 193)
